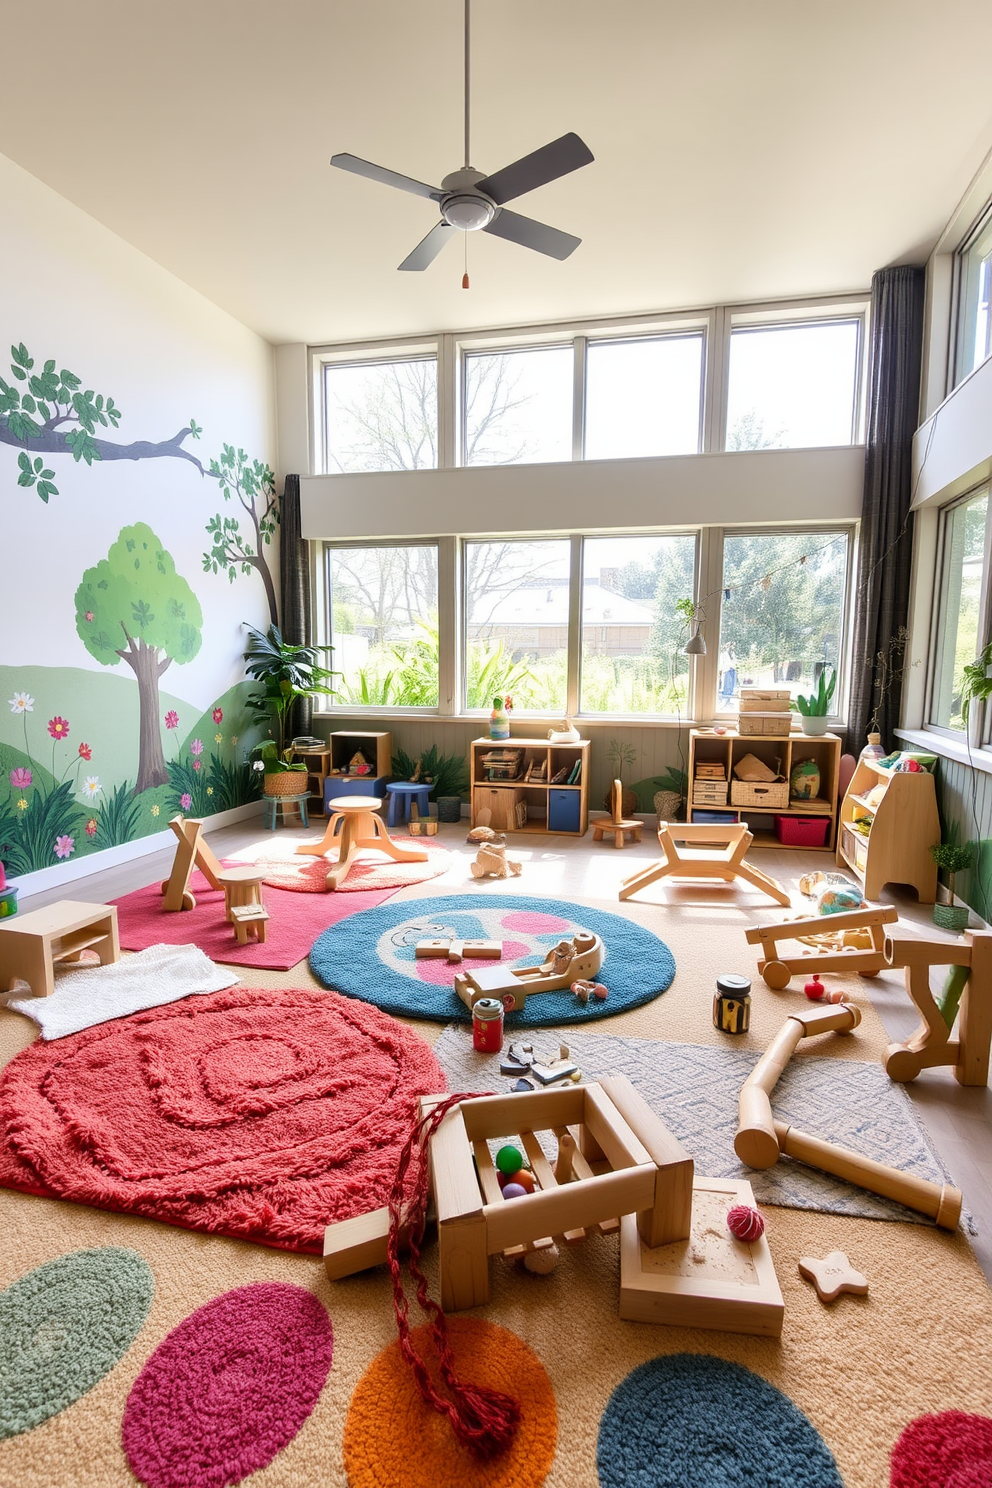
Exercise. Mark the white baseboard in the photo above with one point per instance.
(110, 857)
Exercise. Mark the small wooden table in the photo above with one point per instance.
(32, 945)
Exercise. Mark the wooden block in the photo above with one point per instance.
(621, 1145)
(670, 1217)
(464, 1263)
(503, 1115)
(354, 1245)
(710, 1280)
(833, 1275)
(576, 1206)
(975, 1016)
(454, 1182)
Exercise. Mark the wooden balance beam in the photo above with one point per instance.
(719, 854)
(966, 998)
(777, 969)
(761, 1140)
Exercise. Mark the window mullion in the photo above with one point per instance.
(574, 627)
(449, 658)
(578, 398)
(447, 399)
(702, 702)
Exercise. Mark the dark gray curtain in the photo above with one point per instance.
(882, 600)
(294, 577)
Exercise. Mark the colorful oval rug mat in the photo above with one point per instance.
(371, 870)
(64, 1326)
(373, 956)
(263, 1115)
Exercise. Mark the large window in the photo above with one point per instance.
(958, 631)
(643, 397)
(381, 415)
(516, 624)
(518, 406)
(782, 611)
(974, 328)
(793, 385)
(633, 637)
(383, 605)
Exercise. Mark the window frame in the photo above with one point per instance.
(756, 320)
(962, 335)
(977, 733)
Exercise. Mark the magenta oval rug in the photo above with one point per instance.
(261, 1115)
(373, 870)
(228, 1388)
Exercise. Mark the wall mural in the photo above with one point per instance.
(65, 789)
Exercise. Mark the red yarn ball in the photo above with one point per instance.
(815, 989)
(745, 1223)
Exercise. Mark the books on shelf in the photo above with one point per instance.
(575, 774)
(561, 775)
(502, 764)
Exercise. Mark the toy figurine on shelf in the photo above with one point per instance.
(499, 718)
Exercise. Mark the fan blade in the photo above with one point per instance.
(386, 177)
(537, 169)
(427, 251)
(531, 234)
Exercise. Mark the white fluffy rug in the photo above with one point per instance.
(162, 973)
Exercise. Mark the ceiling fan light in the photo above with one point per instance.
(469, 213)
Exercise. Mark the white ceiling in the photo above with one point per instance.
(745, 149)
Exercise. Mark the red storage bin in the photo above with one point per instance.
(802, 831)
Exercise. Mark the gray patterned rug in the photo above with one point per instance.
(693, 1088)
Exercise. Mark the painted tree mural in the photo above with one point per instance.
(134, 607)
(252, 485)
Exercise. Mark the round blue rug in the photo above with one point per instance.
(695, 1421)
(372, 956)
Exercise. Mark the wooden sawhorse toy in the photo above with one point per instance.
(761, 1140)
(360, 828)
(778, 969)
(720, 855)
(241, 885)
(616, 827)
(966, 997)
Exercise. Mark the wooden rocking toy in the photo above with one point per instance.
(719, 854)
(616, 827)
(354, 826)
(966, 998)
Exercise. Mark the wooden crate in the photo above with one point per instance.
(765, 700)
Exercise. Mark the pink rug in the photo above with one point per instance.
(373, 870)
(294, 923)
(258, 1115)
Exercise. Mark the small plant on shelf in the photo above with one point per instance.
(620, 756)
(976, 682)
(951, 858)
(813, 710)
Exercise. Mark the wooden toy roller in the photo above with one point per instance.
(761, 1140)
(778, 970)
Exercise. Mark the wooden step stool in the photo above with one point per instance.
(34, 944)
(249, 922)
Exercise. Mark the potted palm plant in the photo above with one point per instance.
(286, 673)
(813, 709)
(952, 857)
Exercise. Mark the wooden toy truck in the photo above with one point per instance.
(513, 987)
(778, 969)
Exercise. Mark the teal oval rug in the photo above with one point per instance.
(63, 1327)
(372, 956)
(696, 1421)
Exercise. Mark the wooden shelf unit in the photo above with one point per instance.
(904, 826)
(780, 752)
(546, 804)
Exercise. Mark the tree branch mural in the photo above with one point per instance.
(134, 607)
(253, 485)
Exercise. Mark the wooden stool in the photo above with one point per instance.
(32, 945)
(616, 827)
(359, 826)
(720, 855)
(404, 795)
(276, 806)
(242, 886)
(249, 922)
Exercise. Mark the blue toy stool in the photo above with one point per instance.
(401, 793)
(277, 806)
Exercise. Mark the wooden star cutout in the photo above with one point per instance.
(833, 1275)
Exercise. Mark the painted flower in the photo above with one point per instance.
(172, 719)
(218, 715)
(185, 800)
(196, 764)
(234, 740)
(85, 752)
(196, 747)
(20, 778)
(89, 616)
(156, 810)
(58, 727)
(210, 790)
(218, 738)
(91, 827)
(91, 785)
(64, 846)
(21, 703)
(22, 805)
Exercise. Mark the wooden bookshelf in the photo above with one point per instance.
(780, 753)
(561, 807)
(904, 825)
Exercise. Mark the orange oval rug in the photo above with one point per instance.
(392, 1439)
(372, 870)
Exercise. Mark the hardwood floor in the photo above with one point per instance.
(959, 1120)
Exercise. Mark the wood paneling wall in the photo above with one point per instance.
(964, 797)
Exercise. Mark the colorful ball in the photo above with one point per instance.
(525, 1179)
(745, 1223)
(509, 1160)
(514, 1191)
(815, 989)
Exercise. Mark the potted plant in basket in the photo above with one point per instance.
(286, 673)
(953, 857)
(813, 710)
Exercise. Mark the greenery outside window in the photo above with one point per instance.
(783, 606)
(959, 619)
(381, 415)
(516, 614)
(383, 606)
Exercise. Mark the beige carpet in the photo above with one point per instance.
(860, 1370)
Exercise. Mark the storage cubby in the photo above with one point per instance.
(551, 807)
(904, 826)
(780, 754)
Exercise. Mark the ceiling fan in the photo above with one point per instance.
(470, 200)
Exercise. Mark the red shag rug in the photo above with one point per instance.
(259, 1115)
(293, 926)
(373, 870)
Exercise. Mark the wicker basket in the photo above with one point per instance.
(286, 783)
(667, 805)
(769, 795)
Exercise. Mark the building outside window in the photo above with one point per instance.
(516, 610)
